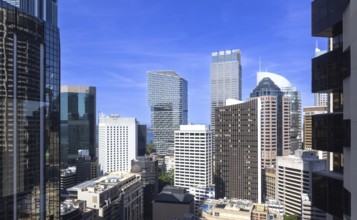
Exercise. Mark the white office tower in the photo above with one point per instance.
(294, 177)
(193, 161)
(117, 143)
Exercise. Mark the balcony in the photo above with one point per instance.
(328, 192)
(329, 70)
(330, 132)
(326, 19)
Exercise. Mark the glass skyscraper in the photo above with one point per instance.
(29, 109)
(78, 122)
(225, 79)
(167, 98)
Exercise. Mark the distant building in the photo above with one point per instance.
(118, 138)
(148, 169)
(308, 113)
(142, 134)
(117, 195)
(294, 175)
(308, 212)
(83, 166)
(269, 180)
(295, 107)
(173, 203)
(238, 150)
(228, 209)
(68, 179)
(201, 193)
(77, 210)
(167, 98)
(78, 122)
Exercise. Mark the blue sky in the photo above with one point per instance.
(112, 44)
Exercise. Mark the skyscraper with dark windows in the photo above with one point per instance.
(167, 98)
(78, 121)
(29, 109)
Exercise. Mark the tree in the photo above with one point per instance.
(290, 217)
(149, 148)
(166, 178)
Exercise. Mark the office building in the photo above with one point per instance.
(225, 79)
(293, 178)
(201, 193)
(308, 212)
(76, 209)
(275, 119)
(238, 150)
(84, 166)
(142, 140)
(295, 107)
(321, 99)
(268, 185)
(68, 179)
(148, 169)
(78, 122)
(167, 98)
(193, 161)
(308, 113)
(193, 156)
(117, 143)
(117, 195)
(334, 190)
(173, 203)
(29, 75)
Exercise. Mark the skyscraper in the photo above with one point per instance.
(335, 72)
(320, 99)
(118, 143)
(78, 122)
(238, 150)
(167, 98)
(29, 110)
(225, 79)
(295, 106)
(275, 119)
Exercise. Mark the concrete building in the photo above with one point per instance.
(229, 209)
(308, 113)
(269, 179)
(68, 179)
(117, 143)
(294, 177)
(295, 107)
(335, 72)
(225, 79)
(308, 212)
(117, 195)
(238, 150)
(173, 203)
(77, 210)
(147, 167)
(167, 98)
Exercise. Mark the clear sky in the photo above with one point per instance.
(112, 44)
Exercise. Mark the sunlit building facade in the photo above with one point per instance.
(167, 98)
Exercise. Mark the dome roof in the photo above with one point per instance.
(280, 81)
(135, 168)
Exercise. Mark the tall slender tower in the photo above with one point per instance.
(167, 98)
(225, 80)
(29, 109)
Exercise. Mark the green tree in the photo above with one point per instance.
(290, 217)
(149, 148)
(166, 178)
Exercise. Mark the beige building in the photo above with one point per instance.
(308, 113)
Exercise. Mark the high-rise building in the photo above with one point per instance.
(167, 98)
(295, 107)
(29, 121)
(275, 119)
(308, 113)
(293, 178)
(78, 122)
(320, 99)
(193, 161)
(335, 72)
(147, 167)
(238, 150)
(142, 133)
(225, 79)
(117, 143)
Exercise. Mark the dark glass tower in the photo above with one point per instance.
(29, 121)
(78, 111)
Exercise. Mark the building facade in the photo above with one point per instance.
(238, 150)
(167, 98)
(117, 143)
(193, 161)
(293, 178)
(225, 79)
(275, 119)
(335, 72)
(30, 73)
(78, 122)
(308, 113)
(295, 107)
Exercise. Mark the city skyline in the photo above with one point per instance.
(174, 36)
